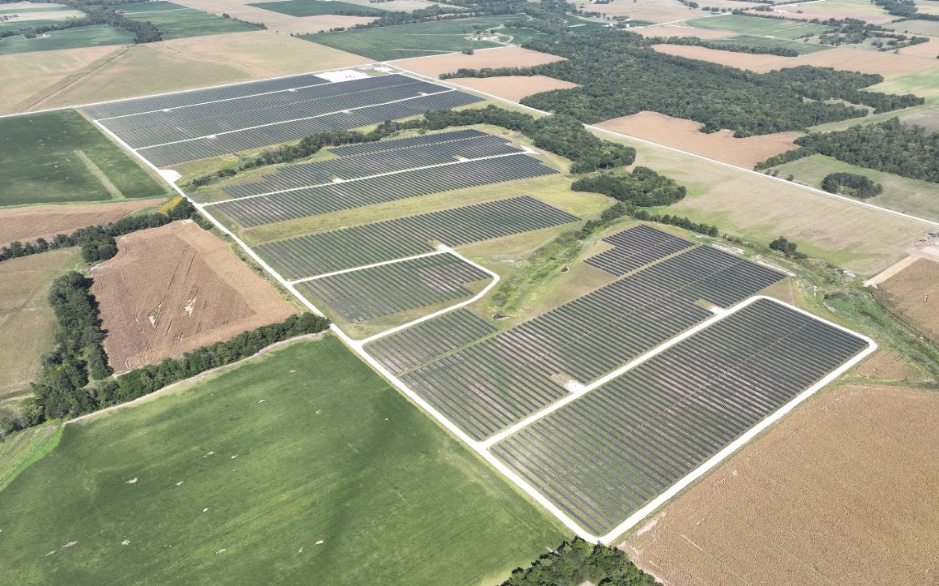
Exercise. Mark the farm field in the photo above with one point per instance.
(907, 294)
(838, 9)
(26, 316)
(804, 502)
(512, 87)
(178, 22)
(332, 466)
(318, 7)
(434, 65)
(61, 157)
(655, 11)
(183, 64)
(910, 196)
(673, 412)
(411, 40)
(27, 446)
(176, 288)
(73, 38)
(685, 135)
(756, 26)
(682, 30)
(45, 221)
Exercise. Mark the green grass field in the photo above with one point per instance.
(332, 454)
(61, 157)
(317, 7)
(763, 42)
(152, 6)
(411, 40)
(74, 38)
(756, 26)
(181, 24)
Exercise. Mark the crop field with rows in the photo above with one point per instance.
(635, 248)
(311, 201)
(294, 177)
(180, 127)
(610, 452)
(388, 289)
(325, 252)
(488, 386)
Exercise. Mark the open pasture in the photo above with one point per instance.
(61, 157)
(178, 22)
(434, 65)
(278, 207)
(73, 38)
(373, 292)
(604, 456)
(319, 7)
(756, 26)
(325, 252)
(848, 476)
(387, 43)
(176, 288)
(306, 461)
(513, 87)
(490, 385)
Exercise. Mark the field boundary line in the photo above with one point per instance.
(151, 146)
(371, 266)
(385, 174)
(751, 433)
(676, 150)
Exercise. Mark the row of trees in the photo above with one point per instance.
(619, 75)
(578, 562)
(726, 46)
(851, 184)
(98, 242)
(891, 146)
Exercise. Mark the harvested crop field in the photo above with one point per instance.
(176, 288)
(513, 87)
(684, 135)
(45, 221)
(886, 64)
(858, 461)
(866, 11)
(500, 57)
(682, 30)
(913, 295)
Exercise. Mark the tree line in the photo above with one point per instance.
(620, 75)
(725, 46)
(576, 562)
(98, 242)
(890, 146)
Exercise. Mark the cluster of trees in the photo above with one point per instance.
(63, 389)
(851, 184)
(619, 75)
(854, 31)
(643, 187)
(577, 562)
(98, 242)
(891, 146)
(787, 247)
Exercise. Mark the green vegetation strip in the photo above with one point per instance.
(302, 462)
(318, 7)
(73, 38)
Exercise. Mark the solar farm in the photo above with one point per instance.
(600, 408)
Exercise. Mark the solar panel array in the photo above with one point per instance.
(635, 248)
(388, 289)
(179, 128)
(400, 143)
(310, 201)
(608, 453)
(325, 252)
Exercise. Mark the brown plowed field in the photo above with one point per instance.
(34, 222)
(889, 364)
(684, 134)
(886, 64)
(499, 57)
(513, 87)
(678, 30)
(840, 493)
(913, 294)
(176, 288)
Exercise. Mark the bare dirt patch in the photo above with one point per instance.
(500, 57)
(886, 64)
(176, 288)
(513, 87)
(685, 135)
(850, 476)
(888, 364)
(30, 223)
(913, 295)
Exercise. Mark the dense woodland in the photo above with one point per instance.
(620, 76)
(643, 187)
(891, 146)
(577, 562)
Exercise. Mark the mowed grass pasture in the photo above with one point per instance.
(754, 25)
(179, 22)
(412, 40)
(57, 157)
(73, 38)
(301, 466)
